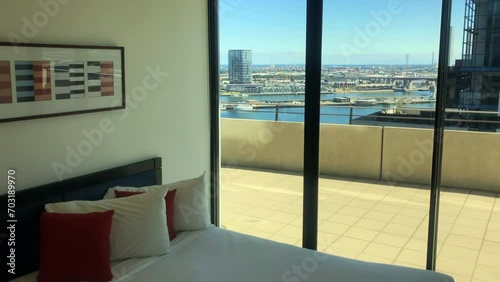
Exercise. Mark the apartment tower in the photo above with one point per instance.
(240, 66)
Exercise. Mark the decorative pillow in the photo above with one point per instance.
(192, 202)
(75, 247)
(138, 228)
(169, 202)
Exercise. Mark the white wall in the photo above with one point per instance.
(172, 122)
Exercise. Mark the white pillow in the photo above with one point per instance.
(138, 228)
(192, 202)
(110, 194)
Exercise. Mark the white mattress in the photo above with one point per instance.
(217, 255)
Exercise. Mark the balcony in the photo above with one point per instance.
(374, 193)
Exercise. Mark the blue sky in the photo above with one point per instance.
(275, 30)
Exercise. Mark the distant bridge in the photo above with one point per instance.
(404, 78)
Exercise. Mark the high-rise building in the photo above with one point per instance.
(481, 54)
(240, 66)
(477, 76)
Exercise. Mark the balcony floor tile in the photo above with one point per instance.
(369, 220)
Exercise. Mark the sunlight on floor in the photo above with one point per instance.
(369, 220)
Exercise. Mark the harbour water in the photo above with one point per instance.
(331, 115)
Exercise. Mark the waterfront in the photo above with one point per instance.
(329, 114)
(325, 96)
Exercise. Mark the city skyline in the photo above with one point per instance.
(365, 32)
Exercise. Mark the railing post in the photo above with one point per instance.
(351, 110)
(276, 116)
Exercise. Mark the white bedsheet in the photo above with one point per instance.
(217, 255)
(220, 255)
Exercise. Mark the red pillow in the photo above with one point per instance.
(75, 247)
(169, 203)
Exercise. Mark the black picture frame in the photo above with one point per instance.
(76, 88)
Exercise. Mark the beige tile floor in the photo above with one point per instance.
(369, 220)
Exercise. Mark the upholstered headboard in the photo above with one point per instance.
(30, 204)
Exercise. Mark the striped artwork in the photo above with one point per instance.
(33, 81)
(5, 83)
(69, 80)
(100, 79)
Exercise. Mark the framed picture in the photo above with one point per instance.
(44, 80)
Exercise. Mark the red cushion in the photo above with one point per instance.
(169, 203)
(75, 247)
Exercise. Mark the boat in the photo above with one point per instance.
(341, 100)
(399, 89)
(239, 95)
(389, 103)
(365, 102)
(244, 107)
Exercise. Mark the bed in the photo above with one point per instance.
(211, 254)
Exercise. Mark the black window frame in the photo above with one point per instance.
(312, 122)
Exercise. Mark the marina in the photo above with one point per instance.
(335, 108)
(250, 104)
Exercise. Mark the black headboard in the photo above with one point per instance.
(30, 204)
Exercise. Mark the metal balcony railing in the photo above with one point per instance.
(458, 119)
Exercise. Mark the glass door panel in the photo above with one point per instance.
(262, 78)
(379, 82)
(469, 218)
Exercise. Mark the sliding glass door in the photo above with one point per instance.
(401, 114)
(378, 101)
(262, 90)
(470, 208)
